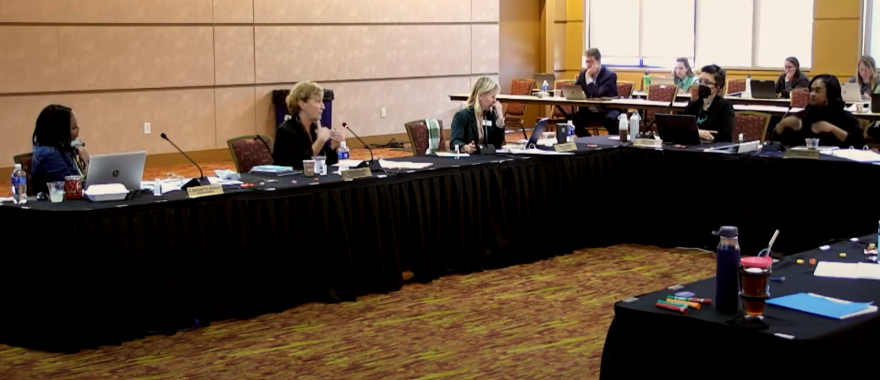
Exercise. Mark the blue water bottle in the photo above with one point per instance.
(726, 283)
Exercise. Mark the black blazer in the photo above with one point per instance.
(840, 118)
(464, 129)
(293, 145)
(719, 117)
(604, 84)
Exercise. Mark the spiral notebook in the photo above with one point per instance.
(824, 306)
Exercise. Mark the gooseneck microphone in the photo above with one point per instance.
(201, 181)
(372, 163)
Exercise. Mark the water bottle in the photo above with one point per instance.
(545, 87)
(19, 184)
(634, 124)
(647, 81)
(622, 123)
(570, 132)
(343, 152)
(748, 92)
(727, 271)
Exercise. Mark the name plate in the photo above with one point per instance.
(351, 174)
(204, 191)
(648, 143)
(802, 153)
(566, 147)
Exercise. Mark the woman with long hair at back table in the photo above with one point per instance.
(791, 78)
(481, 122)
(684, 75)
(825, 118)
(866, 77)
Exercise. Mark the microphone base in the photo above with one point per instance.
(195, 182)
(372, 164)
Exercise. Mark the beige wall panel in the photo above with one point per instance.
(235, 113)
(361, 11)
(420, 50)
(31, 60)
(360, 52)
(234, 54)
(414, 11)
(113, 122)
(309, 11)
(485, 50)
(234, 11)
(560, 8)
(106, 11)
(138, 57)
(487, 10)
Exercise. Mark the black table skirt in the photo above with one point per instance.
(105, 276)
(101, 277)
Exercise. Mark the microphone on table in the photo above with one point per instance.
(201, 181)
(372, 163)
(775, 146)
(653, 120)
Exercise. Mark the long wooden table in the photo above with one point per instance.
(641, 104)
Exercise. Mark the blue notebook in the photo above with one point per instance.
(824, 306)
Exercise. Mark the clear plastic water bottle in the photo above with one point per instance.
(569, 132)
(622, 122)
(726, 270)
(19, 184)
(343, 152)
(545, 87)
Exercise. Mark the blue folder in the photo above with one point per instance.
(819, 305)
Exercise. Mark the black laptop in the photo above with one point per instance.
(763, 89)
(678, 129)
(537, 132)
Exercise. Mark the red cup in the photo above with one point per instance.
(73, 187)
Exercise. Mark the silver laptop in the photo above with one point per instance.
(124, 168)
(662, 80)
(573, 92)
(852, 93)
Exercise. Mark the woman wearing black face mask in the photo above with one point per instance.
(715, 115)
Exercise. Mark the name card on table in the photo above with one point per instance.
(351, 174)
(204, 191)
(648, 143)
(802, 153)
(566, 147)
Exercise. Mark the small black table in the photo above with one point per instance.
(644, 340)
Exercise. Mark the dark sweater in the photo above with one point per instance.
(720, 117)
(784, 88)
(464, 129)
(839, 118)
(293, 145)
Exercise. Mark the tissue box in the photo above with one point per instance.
(106, 193)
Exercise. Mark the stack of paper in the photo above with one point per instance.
(857, 155)
(824, 306)
(272, 169)
(404, 164)
(868, 271)
(540, 152)
(448, 154)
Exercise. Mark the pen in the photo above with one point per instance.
(704, 301)
(680, 309)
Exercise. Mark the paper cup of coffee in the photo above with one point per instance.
(309, 168)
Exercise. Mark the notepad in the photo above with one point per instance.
(823, 306)
(857, 155)
(864, 271)
(448, 154)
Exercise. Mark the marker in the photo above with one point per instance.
(704, 301)
(692, 305)
(777, 278)
(680, 309)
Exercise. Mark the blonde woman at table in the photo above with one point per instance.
(302, 137)
(684, 75)
(866, 77)
(481, 122)
(715, 115)
(791, 78)
(825, 118)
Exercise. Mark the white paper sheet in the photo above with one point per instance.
(449, 154)
(404, 164)
(540, 152)
(857, 155)
(868, 271)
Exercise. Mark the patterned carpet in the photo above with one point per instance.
(545, 320)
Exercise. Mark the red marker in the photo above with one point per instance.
(680, 309)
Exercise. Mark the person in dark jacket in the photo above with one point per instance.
(597, 81)
(302, 136)
(715, 115)
(791, 78)
(53, 156)
(825, 118)
(481, 121)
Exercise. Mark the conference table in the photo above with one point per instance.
(642, 104)
(86, 274)
(644, 339)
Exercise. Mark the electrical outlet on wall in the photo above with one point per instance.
(383, 112)
(148, 128)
